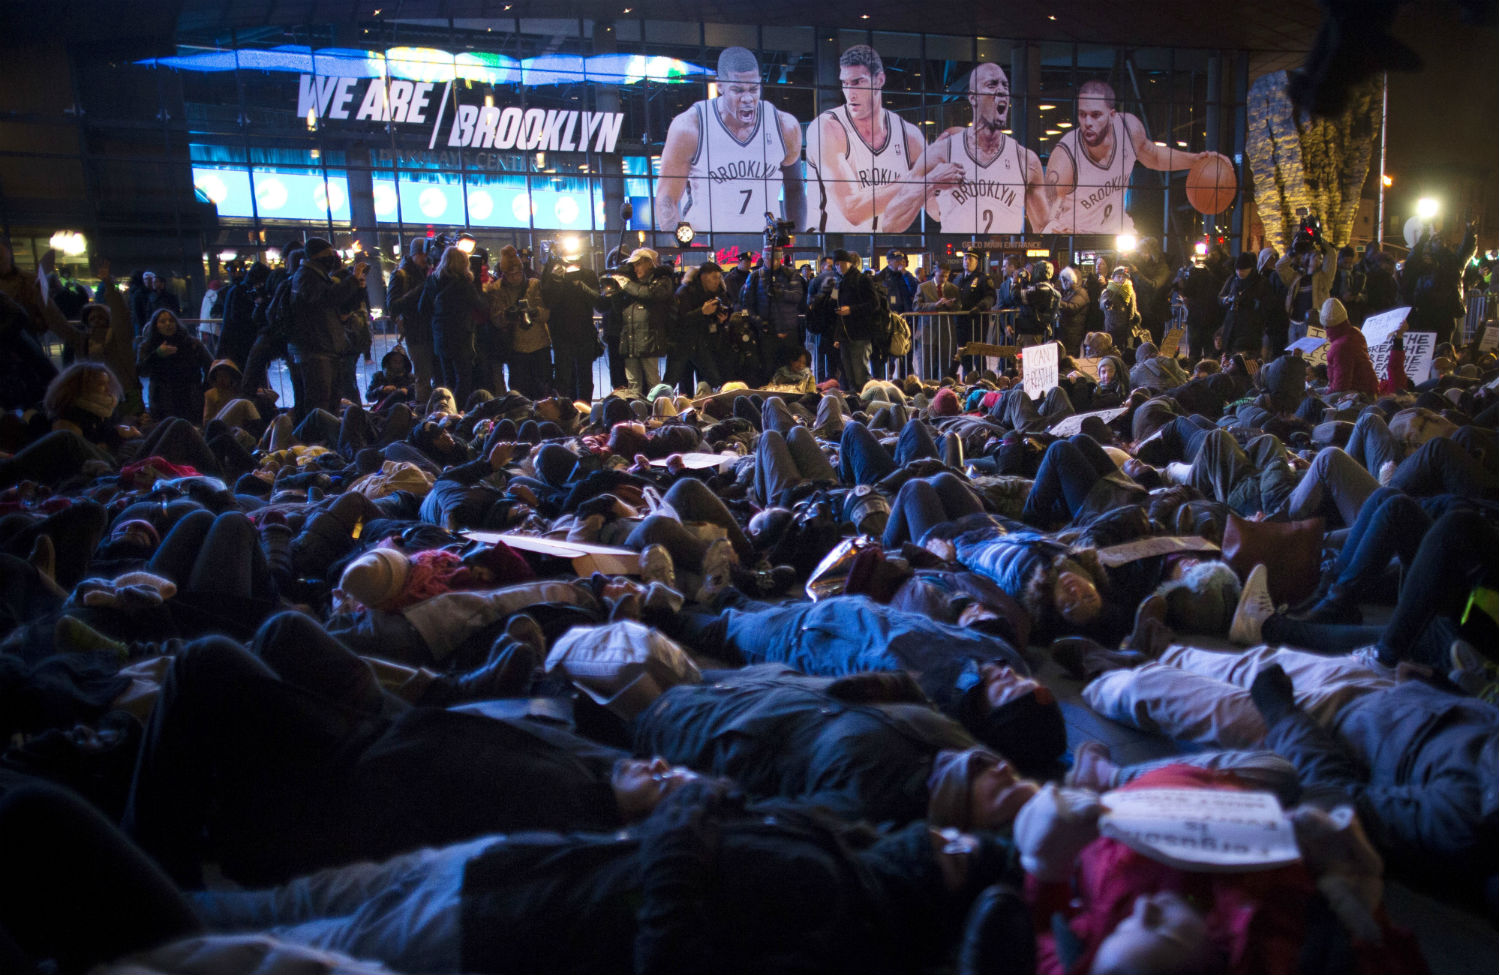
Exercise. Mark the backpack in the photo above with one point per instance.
(1046, 304)
(900, 335)
(279, 321)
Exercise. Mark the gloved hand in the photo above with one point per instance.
(1347, 868)
(1053, 828)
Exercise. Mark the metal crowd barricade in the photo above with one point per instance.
(935, 338)
(1480, 312)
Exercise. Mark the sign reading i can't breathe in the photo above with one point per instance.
(1039, 368)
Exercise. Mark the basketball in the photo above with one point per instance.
(1211, 184)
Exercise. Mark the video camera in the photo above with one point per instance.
(779, 233)
(1309, 232)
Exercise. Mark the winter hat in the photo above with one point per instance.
(1332, 313)
(1245, 262)
(417, 245)
(509, 261)
(1267, 255)
(1028, 731)
(658, 391)
(1203, 600)
(315, 246)
(845, 256)
(223, 364)
(376, 577)
(643, 253)
(945, 403)
(1069, 278)
(953, 775)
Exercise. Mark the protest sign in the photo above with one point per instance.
(1039, 368)
(1202, 830)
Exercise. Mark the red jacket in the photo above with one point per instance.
(1257, 920)
(1349, 366)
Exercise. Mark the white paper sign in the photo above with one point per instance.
(1489, 340)
(1419, 348)
(1379, 328)
(1070, 425)
(1307, 346)
(1039, 368)
(700, 461)
(1202, 830)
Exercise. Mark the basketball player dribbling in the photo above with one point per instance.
(726, 158)
(870, 165)
(1003, 182)
(1089, 170)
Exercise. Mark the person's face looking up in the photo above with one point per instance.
(1106, 372)
(639, 784)
(1163, 933)
(996, 795)
(1076, 598)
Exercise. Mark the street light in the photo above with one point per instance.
(1125, 243)
(1427, 208)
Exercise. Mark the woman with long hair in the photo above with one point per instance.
(454, 303)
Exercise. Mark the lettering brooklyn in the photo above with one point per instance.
(977, 189)
(744, 169)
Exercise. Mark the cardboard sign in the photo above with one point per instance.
(986, 349)
(1070, 425)
(587, 558)
(1170, 342)
(1145, 548)
(701, 461)
(1419, 347)
(1379, 328)
(1201, 830)
(1039, 369)
(1489, 340)
(1088, 366)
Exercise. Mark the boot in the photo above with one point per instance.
(1338, 605)
(507, 673)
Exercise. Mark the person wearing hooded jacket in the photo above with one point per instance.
(1349, 367)
(452, 302)
(639, 296)
(1073, 311)
(569, 293)
(1245, 296)
(403, 295)
(241, 302)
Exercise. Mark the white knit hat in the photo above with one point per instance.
(1332, 313)
(376, 577)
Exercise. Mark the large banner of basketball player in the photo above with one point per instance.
(731, 159)
(867, 167)
(1088, 171)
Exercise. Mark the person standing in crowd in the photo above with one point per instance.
(735, 277)
(1244, 298)
(403, 297)
(1040, 303)
(976, 295)
(703, 306)
(1200, 296)
(244, 299)
(847, 301)
(517, 325)
(639, 295)
(452, 302)
(173, 362)
(1121, 313)
(323, 291)
(899, 283)
(569, 292)
(1349, 286)
(1073, 310)
(773, 297)
(1308, 275)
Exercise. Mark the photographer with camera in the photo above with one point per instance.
(569, 292)
(521, 339)
(323, 293)
(702, 312)
(1308, 272)
(639, 296)
(774, 296)
(1040, 302)
(403, 295)
(240, 305)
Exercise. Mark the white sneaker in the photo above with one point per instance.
(1177, 472)
(656, 566)
(717, 563)
(1254, 608)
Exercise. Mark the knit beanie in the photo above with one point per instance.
(1267, 255)
(953, 773)
(509, 260)
(945, 403)
(376, 577)
(1332, 313)
(1245, 262)
(315, 246)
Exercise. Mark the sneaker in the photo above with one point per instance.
(1178, 473)
(1471, 672)
(1370, 658)
(1092, 768)
(587, 529)
(718, 564)
(1150, 634)
(523, 628)
(656, 566)
(1254, 608)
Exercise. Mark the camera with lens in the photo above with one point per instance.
(1309, 232)
(779, 232)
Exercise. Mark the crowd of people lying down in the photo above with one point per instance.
(533, 685)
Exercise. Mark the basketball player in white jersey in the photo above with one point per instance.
(1003, 182)
(1089, 171)
(870, 164)
(725, 158)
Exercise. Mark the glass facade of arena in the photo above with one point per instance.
(519, 131)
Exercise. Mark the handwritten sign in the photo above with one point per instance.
(1201, 830)
(1419, 348)
(1489, 340)
(1379, 328)
(1170, 342)
(1039, 369)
